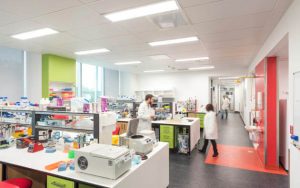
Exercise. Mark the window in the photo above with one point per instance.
(89, 75)
(100, 79)
(89, 81)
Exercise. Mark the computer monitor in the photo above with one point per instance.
(132, 127)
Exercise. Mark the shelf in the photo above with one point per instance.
(15, 110)
(23, 124)
(63, 113)
(71, 129)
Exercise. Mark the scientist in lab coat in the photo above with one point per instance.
(225, 107)
(210, 132)
(146, 113)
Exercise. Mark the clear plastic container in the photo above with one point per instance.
(24, 102)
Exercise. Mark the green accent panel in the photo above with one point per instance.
(85, 186)
(54, 182)
(201, 117)
(167, 135)
(45, 76)
(57, 69)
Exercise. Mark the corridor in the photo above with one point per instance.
(193, 172)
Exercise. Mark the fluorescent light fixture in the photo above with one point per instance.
(95, 51)
(152, 71)
(192, 59)
(147, 10)
(159, 57)
(128, 63)
(202, 68)
(34, 34)
(174, 41)
(229, 78)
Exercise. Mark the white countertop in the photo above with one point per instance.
(169, 122)
(38, 161)
(182, 122)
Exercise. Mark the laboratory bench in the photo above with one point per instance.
(153, 172)
(182, 135)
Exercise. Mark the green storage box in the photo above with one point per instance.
(85, 186)
(54, 182)
(167, 135)
(201, 117)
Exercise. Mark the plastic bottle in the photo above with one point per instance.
(1, 101)
(24, 102)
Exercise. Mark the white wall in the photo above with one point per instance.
(11, 73)
(34, 76)
(186, 85)
(128, 83)
(289, 24)
(283, 83)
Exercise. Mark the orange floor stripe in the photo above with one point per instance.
(239, 157)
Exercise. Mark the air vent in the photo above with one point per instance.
(169, 20)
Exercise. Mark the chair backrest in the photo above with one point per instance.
(132, 127)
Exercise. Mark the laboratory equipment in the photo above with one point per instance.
(103, 160)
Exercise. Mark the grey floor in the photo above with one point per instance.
(192, 172)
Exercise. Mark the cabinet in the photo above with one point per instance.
(199, 115)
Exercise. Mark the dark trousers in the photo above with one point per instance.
(226, 114)
(214, 144)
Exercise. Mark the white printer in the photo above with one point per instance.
(103, 160)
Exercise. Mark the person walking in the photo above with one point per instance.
(210, 132)
(225, 107)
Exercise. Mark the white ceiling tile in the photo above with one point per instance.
(139, 25)
(232, 43)
(188, 3)
(282, 5)
(233, 24)
(255, 33)
(6, 18)
(31, 8)
(78, 17)
(108, 6)
(99, 31)
(19, 27)
(166, 34)
(227, 9)
(87, 1)
(118, 40)
(55, 40)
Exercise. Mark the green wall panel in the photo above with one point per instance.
(57, 69)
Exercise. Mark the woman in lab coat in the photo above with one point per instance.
(210, 130)
(146, 114)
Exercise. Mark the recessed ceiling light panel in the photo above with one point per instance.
(34, 34)
(202, 68)
(147, 10)
(192, 59)
(95, 51)
(153, 71)
(128, 63)
(174, 41)
(159, 57)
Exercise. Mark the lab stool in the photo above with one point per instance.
(16, 183)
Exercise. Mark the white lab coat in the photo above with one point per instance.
(226, 104)
(144, 113)
(210, 126)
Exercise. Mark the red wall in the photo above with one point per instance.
(266, 83)
(272, 157)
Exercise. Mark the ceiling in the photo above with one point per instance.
(230, 31)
